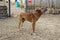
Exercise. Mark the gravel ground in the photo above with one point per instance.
(47, 28)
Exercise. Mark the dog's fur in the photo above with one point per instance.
(31, 17)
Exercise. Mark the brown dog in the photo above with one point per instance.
(31, 17)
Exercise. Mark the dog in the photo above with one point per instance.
(31, 17)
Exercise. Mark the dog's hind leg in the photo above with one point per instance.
(19, 24)
(21, 21)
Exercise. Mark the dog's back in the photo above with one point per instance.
(26, 16)
(29, 16)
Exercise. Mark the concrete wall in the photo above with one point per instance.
(13, 1)
(43, 2)
(56, 3)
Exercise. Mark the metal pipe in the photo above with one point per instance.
(9, 11)
(34, 5)
(26, 6)
(4, 2)
(49, 3)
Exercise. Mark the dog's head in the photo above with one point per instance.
(38, 10)
(42, 9)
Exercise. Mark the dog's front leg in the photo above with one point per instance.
(33, 25)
